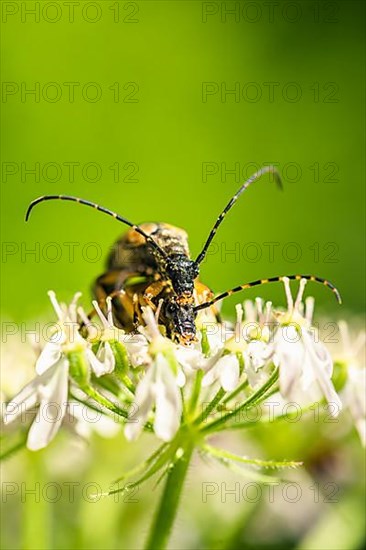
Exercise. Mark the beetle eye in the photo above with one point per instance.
(170, 308)
(171, 269)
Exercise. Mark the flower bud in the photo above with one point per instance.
(121, 358)
(78, 366)
(340, 375)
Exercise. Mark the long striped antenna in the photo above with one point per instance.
(230, 204)
(270, 280)
(114, 215)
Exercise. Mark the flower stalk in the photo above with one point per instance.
(255, 399)
(167, 509)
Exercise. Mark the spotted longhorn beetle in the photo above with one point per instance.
(151, 265)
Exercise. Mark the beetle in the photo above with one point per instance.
(151, 265)
(146, 279)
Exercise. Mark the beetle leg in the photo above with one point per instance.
(202, 294)
(152, 291)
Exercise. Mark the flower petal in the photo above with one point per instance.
(355, 392)
(211, 376)
(98, 367)
(361, 428)
(290, 354)
(53, 402)
(322, 365)
(168, 402)
(105, 356)
(137, 349)
(181, 378)
(257, 354)
(228, 369)
(189, 358)
(25, 400)
(50, 354)
(144, 398)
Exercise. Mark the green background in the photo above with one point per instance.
(169, 132)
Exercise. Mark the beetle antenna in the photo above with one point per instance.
(270, 280)
(254, 177)
(114, 215)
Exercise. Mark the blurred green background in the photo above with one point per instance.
(169, 132)
(298, 71)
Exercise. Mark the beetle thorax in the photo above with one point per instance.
(182, 272)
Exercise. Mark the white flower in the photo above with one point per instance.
(354, 393)
(83, 422)
(158, 387)
(354, 396)
(258, 352)
(256, 358)
(226, 370)
(137, 349)
(249, 339)
(136, 345)
(305, 365)
(256, 355)
(192, 359)
(49, 389)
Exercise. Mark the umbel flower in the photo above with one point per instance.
(305, 364)
(351, 359)
(227, 367)
(159, 386)
(184, 395)
(155, 374)
(66, 355)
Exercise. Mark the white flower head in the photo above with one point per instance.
(136, 345)
(257, 356)
(49, 390)
(226, 366)
(305, 365)
(159, 386)
(226, 370)
(259, 326)
(354, 393)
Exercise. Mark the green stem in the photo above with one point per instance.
(237, 390)
(195, 392)
(168, 506)
(99, 398)
(253, 400)
(210, 407)
(205, 345)
(142, 466)
(222, 453)
(129, 385)
(272, 420)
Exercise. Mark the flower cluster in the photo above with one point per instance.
(147, 382)
(65, 356)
